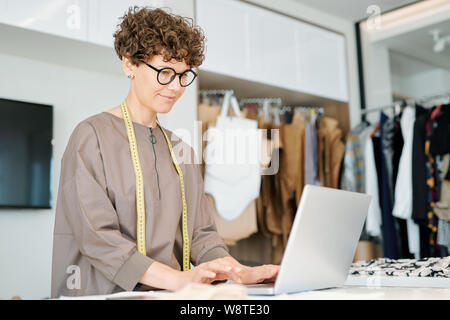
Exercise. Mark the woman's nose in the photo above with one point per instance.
(175, 84)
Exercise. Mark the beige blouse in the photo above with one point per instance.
(94, 246)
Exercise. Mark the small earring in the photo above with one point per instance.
(129, 76)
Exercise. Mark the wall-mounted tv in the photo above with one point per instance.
(26, 133)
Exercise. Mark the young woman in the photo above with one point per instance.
(130, 215)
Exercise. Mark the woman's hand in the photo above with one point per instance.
(227, 268)
(218, 269)
(252, 275)
(162, 276)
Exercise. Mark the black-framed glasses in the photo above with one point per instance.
(166, 75)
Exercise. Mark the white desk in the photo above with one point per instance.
(367, 293)
(342, 293)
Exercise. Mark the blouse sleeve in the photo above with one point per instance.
(206, 244)
(91, 215)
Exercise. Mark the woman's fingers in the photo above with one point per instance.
(270, 273)
(230, 263)
(264, 273)
(222, 269)
(218, 267)
(203, 276)
(237, 267)
(232, 271)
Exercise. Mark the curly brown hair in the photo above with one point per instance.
(145, 32)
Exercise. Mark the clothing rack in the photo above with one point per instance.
(228, 95)
(216, 92)
(408, 101)
(388, 106)
(261, 101)
(228, 99)
(303, 109)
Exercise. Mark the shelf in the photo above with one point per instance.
(67, 52)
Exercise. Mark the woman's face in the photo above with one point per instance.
(150, 93)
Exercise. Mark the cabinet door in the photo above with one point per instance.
(322, 62)
(67, 18)
(225, 24)
(104, 17)
(272, 49)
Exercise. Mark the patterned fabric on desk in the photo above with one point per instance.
(427, 267)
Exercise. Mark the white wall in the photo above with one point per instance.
(26, 235)
(415, 78)
(377, 76)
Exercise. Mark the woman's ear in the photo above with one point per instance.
(128, 67)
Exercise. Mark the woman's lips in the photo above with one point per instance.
(168, 98)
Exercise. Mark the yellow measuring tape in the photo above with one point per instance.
(140, 205)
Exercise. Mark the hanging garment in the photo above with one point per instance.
(398, 149)
(391, 146)
(311, 170)
(403, 187)
(292, 160)
(387, 135)
(292, 176)
(440, 135)
(242, 227)
(232, 161)
(442, 207)
(353, 178)
(443, 236)
(207, 115)
(390, 241)
(440, 146)
(95, 219)
(331, 151)
(246, 224)
(250, 111)
(431, 171)
(401, 224)
(419, 179)
(353, 175)
(373, 221)
(269, 204)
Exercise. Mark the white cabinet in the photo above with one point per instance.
(89, 20)
(226, 29)
(104, 17)
(252, 43)
(272, 48)
(322, 62)
(67, 18)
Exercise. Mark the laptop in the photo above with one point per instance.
(322, 242)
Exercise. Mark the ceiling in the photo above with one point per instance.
(353, 10)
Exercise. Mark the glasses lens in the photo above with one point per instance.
(166, 75)
(187, 78)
